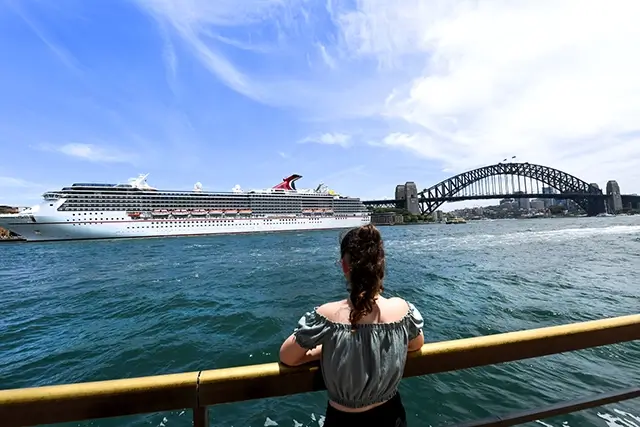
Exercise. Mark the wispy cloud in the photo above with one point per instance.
(90, 152)
(284, 155)
(199, 22)
(480, 95)
(170, 59)
(17, 191)
(349, 172)
(10, 182)
(340, 139)
(328, 59)
(461, 83)
(57, 49)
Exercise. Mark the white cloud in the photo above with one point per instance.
(195, 20)
(56, 48)
(553, 82)
(326, 57)
(90, 152)
(463, 83)
(19, 192)
(10, 182)
(340, 139)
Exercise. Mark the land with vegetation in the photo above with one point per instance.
(407, 217)
(8, 235)
(507, 209)
(4, 233)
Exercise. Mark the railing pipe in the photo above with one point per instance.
(562, 408)
(259, 381)
(197, 390)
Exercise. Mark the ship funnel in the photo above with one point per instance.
(288, 183)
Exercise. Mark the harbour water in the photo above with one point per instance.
(95, 310)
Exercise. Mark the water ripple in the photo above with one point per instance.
(81, 311)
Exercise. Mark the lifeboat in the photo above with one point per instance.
(134, 214)
(180, 212)
(160, 212)
(215, 212)
(199, 212)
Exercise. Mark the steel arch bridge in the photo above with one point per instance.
(490, 180)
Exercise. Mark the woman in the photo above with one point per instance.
(362, 341)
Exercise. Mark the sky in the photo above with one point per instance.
(359, 94)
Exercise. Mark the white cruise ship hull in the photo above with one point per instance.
(110, 225)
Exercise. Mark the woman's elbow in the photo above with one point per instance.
(290, 360)
(416, 343)
(285, 359)
(287, 356)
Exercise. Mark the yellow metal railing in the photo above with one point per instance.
(198, 390)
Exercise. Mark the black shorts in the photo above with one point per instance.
(390, 414)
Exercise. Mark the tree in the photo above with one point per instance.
(557, 209)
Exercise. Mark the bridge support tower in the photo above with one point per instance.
(596, 206)
(614, 199)
(407, 197)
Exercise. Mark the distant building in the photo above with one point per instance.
(549, 202)
(538, 204)
(478, 211)
(507, 204)
(386, 218)
(523, 202)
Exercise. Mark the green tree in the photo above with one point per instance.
(557, 209)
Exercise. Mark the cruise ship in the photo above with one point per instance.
(135, 209)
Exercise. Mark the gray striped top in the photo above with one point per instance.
(364, 366)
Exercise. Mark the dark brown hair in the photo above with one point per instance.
(366, 268)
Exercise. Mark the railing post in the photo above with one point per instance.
(201, 416)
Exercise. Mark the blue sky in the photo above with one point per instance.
(357, 94)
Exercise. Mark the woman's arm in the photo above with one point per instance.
(292, 354)
(416, 343)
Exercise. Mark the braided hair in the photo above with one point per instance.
(366, 261)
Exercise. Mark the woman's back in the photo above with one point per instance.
(362, 363)
(361, 342)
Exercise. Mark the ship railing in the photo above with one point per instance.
(201, 389)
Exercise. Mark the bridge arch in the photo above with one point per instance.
(430, 199)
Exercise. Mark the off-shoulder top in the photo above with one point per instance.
(363, 367)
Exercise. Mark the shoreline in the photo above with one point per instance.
(486, 219)
(13, 240)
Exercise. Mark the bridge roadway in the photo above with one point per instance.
(491, 196)
(627, 199)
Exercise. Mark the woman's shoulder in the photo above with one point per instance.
(333, 310)
(394, 309)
